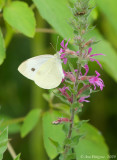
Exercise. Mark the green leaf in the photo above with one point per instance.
(57, 145)
(109, 10)
(13, 125)
(80, 123)
(72, 142)
(46, 97)
(71, 67)
(52, 131)
(76, 105)
(18, 157)
(2, 48)
(92, 144)
(52, 11)
(20, 17)
(69, 156)
(2, 3)
(85, 93)
(75, 140)
(109, 62)
(3, 142)
(62, 98)
(30, 122)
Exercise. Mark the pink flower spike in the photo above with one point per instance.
(91, 59)
(86, 69)
(97, 54)
(89, 50)
(83, 99)
(96, 81)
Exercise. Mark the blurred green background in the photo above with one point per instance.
(19, 95)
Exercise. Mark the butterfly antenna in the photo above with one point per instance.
(53, 46)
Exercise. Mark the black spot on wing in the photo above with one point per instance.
(33, 69)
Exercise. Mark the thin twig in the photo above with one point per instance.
(45, 30)
(11, 151)
(12, 121)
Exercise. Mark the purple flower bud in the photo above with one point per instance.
(61, 120)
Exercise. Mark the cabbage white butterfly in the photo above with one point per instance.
(45, 70)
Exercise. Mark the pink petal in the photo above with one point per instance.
(75, 70)
(82, 99)
(89, 50)
(64, 73)
(98, 74)
(61, 50)
(65, 60)
(97, 54)
(66, 44)
(91, 59)
(62, 56)
(62, 44)
(86, 69)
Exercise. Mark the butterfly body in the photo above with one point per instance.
(45, 70)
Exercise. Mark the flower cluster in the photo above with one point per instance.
(89, 83)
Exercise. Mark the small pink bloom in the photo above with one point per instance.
(92, 59)
(64, 58)
(76, 70)
(64, 46)
(63, 90)
(86, 69)
(69, 75)
(96, 81)
(83, 99)
(89, 50)
(62, 50)
(61, 120)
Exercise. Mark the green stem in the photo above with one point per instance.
(74, 100)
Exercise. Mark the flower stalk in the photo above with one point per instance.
(77, 84)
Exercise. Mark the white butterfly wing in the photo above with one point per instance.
(29, 67)
(50, 74)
